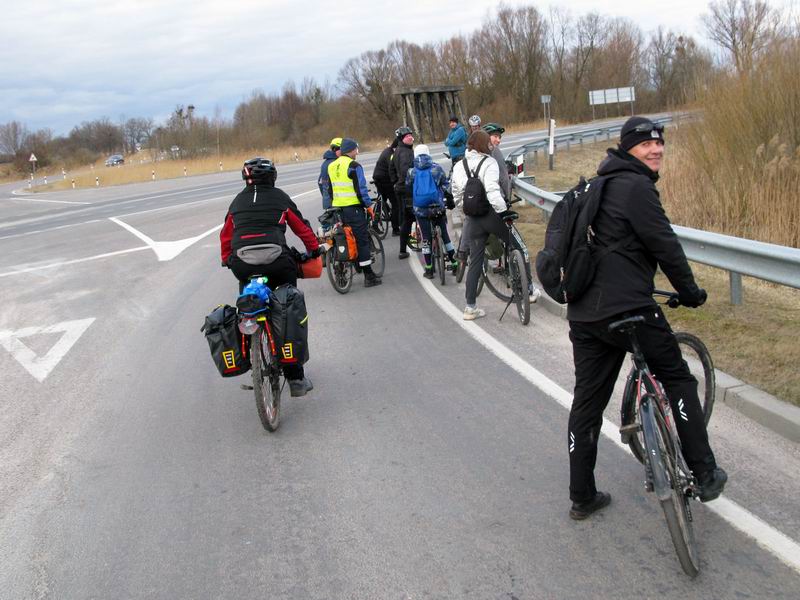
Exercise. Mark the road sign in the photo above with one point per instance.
(545, 99)
(33, 158)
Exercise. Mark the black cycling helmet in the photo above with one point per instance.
(491, 128)
(403, 131)
(259, 170)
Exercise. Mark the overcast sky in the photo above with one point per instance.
(68, 61)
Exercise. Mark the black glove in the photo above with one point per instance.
(449, 203)
(693, 301)
(316, 253)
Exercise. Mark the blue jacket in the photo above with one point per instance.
(324, 181)
(424, 162)
(456, 142)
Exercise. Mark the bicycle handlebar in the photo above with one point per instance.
(672, 299)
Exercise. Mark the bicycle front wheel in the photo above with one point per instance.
(377, 254)
(519, 286)
(266, 381)
(662, 456)
(378, 224)
(438, 254)
(495, 276)
(340, 273)
(698, 359)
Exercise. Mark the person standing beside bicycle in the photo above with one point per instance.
(324, 182)
(383, 181)
(623, 287)
(428, 183)
(403, 160)
(351, 195)
(456, 141)
(253, 240)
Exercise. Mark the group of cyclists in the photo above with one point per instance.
(417, 189)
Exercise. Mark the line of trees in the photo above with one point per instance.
(505, 65)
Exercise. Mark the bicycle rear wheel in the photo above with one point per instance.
(377, 254)
(662, 458)
(378, 224)
(495, 276)
(266, 381)
(340, 273)
(519, 286)
(438, 254)
(698, 359)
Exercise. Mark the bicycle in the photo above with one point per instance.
(508, 279)
(381, 216)
(340, 269)
(650, 431)
(438, 252)
(265, 365)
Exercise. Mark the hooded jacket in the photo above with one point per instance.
(324, 182)
(403, 160)
(456, 142)
(424, 162)
(624, 278)
(381, 172)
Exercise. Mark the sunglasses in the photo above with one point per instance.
(648, 127)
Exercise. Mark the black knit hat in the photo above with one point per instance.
(637, 130)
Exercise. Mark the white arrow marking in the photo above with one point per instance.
(40, 366)
(165, 250)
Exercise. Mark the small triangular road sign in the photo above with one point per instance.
(41, 366)
(33, 158)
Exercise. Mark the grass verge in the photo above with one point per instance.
(755, 342)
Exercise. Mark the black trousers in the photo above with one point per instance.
(598, 356)
(280, 272)
(386, 189)
(406, 206)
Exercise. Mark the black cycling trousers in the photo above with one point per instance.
(598, 356)
(280, 272)
(407, 217)
(386, 189)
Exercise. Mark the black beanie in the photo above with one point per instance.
(629, 137)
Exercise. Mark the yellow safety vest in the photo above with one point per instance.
(343, 188)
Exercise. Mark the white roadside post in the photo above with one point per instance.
(154, 175)
(73, 183)
(63, 173)
(220, 165)
(97, 182)
(184, 171)
(551, 144)
(45, 179)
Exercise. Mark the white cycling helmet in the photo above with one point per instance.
(475, 121)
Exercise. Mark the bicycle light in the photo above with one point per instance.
(248, 325)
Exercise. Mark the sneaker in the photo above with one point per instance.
(534, 293)
(299, 387)
(453, 267)
(470, 314)
(372, 281)
(711, 484)
(428, 274)
(581, 511)
(403, 255)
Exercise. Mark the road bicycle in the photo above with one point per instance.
(341, 270)
(381, 219)
(648, 427)
(504, 271)
(268, 377)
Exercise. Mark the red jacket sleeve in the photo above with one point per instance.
(225, 237)
(301, 230)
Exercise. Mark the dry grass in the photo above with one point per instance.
(755, 342)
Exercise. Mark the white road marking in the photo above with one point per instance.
(6, 237)
(41, 366)
(72, 262)
(767, 536)
(26, 199)
(165, 250)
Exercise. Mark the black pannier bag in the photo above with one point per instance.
(289, 320)
(230, 348)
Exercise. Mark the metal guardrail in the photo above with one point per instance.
(738, 256)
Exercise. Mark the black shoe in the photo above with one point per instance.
(403, 255)
(372, 281)
(578, 512)
(299, 387)
(711, 484)
(428, 274)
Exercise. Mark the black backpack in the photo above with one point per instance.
(476, 204)
(229, 347)
(567, 263)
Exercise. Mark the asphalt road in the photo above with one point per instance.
(426, 463)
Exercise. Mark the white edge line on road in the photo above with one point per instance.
(7, 237)
(72, 262)
(304, 193)
(26, 199)
(773, 540)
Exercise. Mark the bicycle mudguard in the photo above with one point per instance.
(661, 485)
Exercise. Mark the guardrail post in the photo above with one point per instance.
(736, 288)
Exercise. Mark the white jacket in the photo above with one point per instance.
(489, 176)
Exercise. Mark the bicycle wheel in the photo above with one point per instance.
(696, 355)
(377, 223)
(495, 276)
(438, 254)
(667, 479)
(519, 286)
(376, 254)
(340, 273)
(266, 381)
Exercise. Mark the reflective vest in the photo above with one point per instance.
(342, 187)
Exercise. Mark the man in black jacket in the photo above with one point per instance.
(403, 160)
(623, 287)
(383, 181)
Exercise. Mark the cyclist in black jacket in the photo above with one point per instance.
(403, 160)
(383, 181)
(623, 286)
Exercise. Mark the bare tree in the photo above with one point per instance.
(12, 137)
(743, 28)
(372, 77)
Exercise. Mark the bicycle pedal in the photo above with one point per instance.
(244, 386)
(626, 432)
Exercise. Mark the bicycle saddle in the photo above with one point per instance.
(625, 325)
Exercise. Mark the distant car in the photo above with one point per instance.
(114, 160)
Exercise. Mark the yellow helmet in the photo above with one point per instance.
(336, 142)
